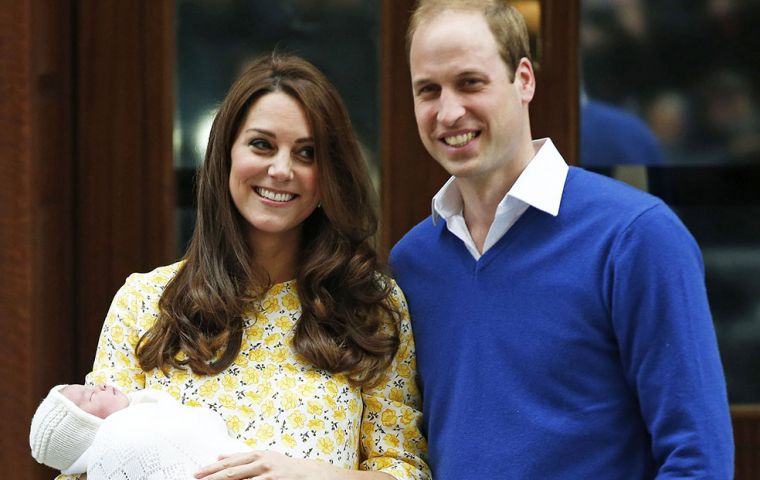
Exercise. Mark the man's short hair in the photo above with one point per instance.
(505, 22)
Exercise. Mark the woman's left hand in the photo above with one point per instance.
(264, 463)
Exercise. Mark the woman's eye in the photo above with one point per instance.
(306, 152)
(260, 144)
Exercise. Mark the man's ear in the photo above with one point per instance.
(525, 79)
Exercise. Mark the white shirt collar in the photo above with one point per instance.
(540, 185)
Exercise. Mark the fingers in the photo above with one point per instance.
(232, 467)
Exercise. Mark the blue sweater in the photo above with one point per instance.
(579, 346)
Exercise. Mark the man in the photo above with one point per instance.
(560, 317)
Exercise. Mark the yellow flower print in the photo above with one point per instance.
(265, 432)
(100, 378)
(117, 334)
(268, 408)
(366, 429)
(174, 391)
(289, 368)
(283, 322)
(193, 403)
(254, 334)
(265, 390)
(208, 388)
(407, 417)
(382, 463)
(279, 354)
(396, 395)
(241, 361)
(411, 432)
(404, 370)
(122, 359)
(315, 408)
(339, 414)
(392, 452)
(272, 339)
(276, 289)
(269, 371)
(340, 437)
(258, 355)
(270, 305)
(288, 440)
(297, 419)
(229, 382)
(249, 376)
(391, 440)
(290, 301)
(254, 396)
(373, 404)
(307, 389)
(316, 424)
(287, 383)
(180, 376)
(123, 379)
(289, 400)
(246, 410)
(331, 403)
(325, 445)
(227, 401)
(388, 418)
(332, 387)
(234, 424)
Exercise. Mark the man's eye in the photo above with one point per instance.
(427, 90)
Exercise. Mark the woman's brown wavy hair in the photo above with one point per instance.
(347, 323)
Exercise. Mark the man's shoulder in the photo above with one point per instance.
(594, 192)
(419, 234)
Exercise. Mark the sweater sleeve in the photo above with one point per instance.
(391, 436)
(668, 348)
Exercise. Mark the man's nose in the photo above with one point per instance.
(450, 108)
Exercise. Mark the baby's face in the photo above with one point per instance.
(100, 400)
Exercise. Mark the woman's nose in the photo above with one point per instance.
(281, 168)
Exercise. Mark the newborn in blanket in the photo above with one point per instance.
(145, 435)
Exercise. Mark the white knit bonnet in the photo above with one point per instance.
(61, 431)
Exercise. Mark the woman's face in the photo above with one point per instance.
(273, 178)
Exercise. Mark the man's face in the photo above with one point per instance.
(470, 116)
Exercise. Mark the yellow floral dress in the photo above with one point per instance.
(269, 397)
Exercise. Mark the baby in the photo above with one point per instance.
(107, 434)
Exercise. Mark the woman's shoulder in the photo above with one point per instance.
(157, 278)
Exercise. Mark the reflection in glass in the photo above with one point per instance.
(669, 104)
(215, 40)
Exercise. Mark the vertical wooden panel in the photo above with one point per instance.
(35, 218)
(747, 440)
(554, 109)
(124, 174)
(410, 176)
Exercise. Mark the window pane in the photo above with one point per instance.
(669, 104)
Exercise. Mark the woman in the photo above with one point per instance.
(279, 317)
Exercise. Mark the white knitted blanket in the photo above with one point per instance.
(157, 438)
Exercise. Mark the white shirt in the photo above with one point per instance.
(540, 185)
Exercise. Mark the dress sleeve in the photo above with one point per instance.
(668, 347)
(391, 438)
(115, 360)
